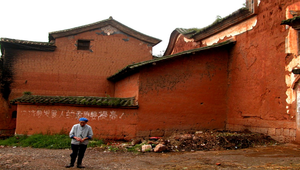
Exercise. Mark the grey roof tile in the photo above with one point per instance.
(103, 23)
(29, 45)
(77, 100)
(291, 21)
(16, 41)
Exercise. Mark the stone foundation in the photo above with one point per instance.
(282, 135)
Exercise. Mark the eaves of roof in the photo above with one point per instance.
(133, 68)
(73, 31)
(76, 101)
(294, 22)
(172, 42)
(217, 26)
(28, 45)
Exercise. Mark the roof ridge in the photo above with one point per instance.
(82, 26)
(110, 21)
(186, 30)
(192, 32)
(185, 52)
(245, 14)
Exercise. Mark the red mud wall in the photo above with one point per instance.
(188, 93)
(128, 87)
(71, 72)
(108, 123)
(183, 44)
(8, 123)
(256, 96)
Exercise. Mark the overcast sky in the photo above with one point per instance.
(33, 19)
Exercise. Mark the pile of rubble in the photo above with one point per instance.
(203, 140)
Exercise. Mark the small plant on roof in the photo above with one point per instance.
(104, 102)
(27, 93)
(93, 102)
(83, 101)
(116, 102)
(218, 19)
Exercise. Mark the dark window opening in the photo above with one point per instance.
(14, 114)
(83, 44)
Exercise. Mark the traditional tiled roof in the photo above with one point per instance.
(217, 26)
(31, 45)
(67, 32)
(221, 24)
(294, 22)
(76, 100)
(187, 32)
(15, 41)
(133, 68)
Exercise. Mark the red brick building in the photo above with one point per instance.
(75, 62)
(238, 73)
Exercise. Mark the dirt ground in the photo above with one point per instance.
(284, 156)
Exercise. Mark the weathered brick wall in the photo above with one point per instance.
(68, 71)
(8, 124)
(183, 44)
(107, 123)
(128, 87)
(257, 97)
(188, 93)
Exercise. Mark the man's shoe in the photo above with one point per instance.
(69, 166)
(80, 166)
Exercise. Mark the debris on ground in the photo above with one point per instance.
(160, 148)
(146, 148)
(216, 140)
(198, 141)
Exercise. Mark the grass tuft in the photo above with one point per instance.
(57, 141)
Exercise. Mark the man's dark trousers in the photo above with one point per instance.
(77, 150)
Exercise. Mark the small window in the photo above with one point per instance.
(83, 44)
(14, 114)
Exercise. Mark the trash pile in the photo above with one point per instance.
(202, 140)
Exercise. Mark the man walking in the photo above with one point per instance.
(80, 134)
